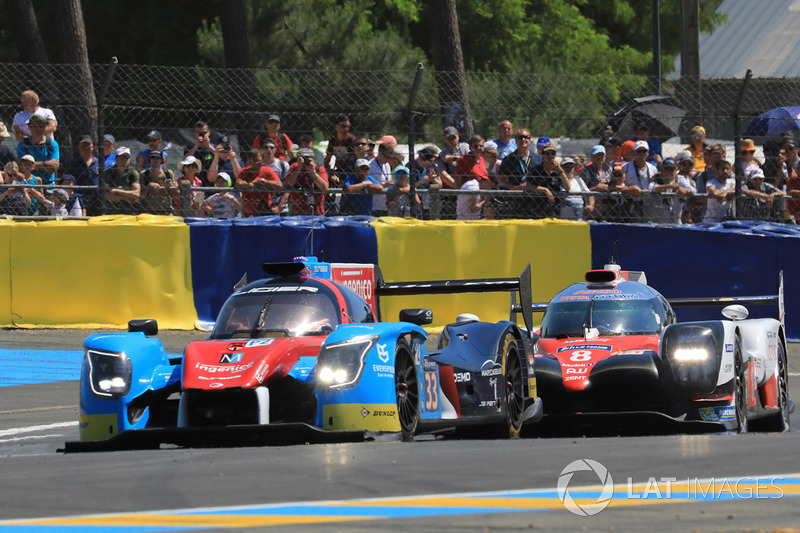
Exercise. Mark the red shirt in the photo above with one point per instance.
(307, 203)
(282, 143)
(257, 203)
(469, 167)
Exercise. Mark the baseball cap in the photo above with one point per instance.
(276, 118)
(190, 160)
(61, 193)
(68, 177)
(618, 167)
(109, 138)
(543, 141)
(154, 134)
(756, 174)
(718, 148)
(27, 157)
(567, 161)
(641, 144)
(85, 139)
(224, 176)
(122, 150)
(37, 120)
(401, 170)
(305, 152)
(155, 154)
(387, 139)
(598, 149)
(685, 155)
(669, 162)
(699, 129)
(490, 145)
(4, 130)
(427, 153)
(450, 130)
(361, 163)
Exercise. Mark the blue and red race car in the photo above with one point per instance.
(299, 351)
(612, 346)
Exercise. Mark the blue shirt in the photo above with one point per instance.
(40, 152)
(505, 149)
(84, 175)
(362, 203)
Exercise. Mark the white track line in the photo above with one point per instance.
(34, 429)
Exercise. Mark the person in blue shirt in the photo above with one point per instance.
(359, 188)
(44, 151)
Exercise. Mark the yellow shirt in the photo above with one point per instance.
(699, 157)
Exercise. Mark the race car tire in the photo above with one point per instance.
(407, 390)
(779, 421)
(740, 387)
(512, 400)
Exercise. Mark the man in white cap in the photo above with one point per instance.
(639, 173)
(759, 198)
(121, 185)
(44, 151)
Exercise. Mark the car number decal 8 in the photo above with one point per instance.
(580, 355)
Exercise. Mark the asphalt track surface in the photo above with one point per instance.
(427, 485)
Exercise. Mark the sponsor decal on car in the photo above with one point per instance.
(718, 414)
(729, 347)
(212, 369)
(231, 358)
(462, 377)
(383, 353)
(585, 347)
(259, 342)
(383, 371)
(280, 288)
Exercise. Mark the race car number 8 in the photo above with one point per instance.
(581, 355)
(431, 391)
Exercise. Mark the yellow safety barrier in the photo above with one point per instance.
(97, 273)
(409, 250)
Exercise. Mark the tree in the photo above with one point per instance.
(451, 79)
(72, 35)
(26, 31)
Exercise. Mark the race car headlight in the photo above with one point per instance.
(691, 352)
(340, 364)
(109, 374)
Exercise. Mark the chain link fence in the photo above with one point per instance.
(128, 101)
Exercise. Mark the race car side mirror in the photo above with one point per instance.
(148, 326)
(735, 312)
(417, 316)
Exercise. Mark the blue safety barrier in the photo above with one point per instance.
(738, 258)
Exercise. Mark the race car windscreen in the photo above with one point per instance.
(610, 317)
(291, 310)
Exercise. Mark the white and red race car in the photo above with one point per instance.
(612, 346)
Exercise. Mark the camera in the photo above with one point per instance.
(226, 147)
(304, 161)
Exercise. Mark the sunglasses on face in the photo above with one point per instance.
(641, 151)
(363, 168)
(549, 154)
(344, 126)
(524, 137)
(273, 122)
(697, 135)
(402, 175)
(748, 151)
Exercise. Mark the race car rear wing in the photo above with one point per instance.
(721, 301)
(520, 285)
(714, 301)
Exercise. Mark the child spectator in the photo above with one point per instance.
(76, 207)
(56, 205)
(189, 168)
(398, 199)
(224, 204)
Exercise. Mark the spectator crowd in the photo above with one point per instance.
(515, 175)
